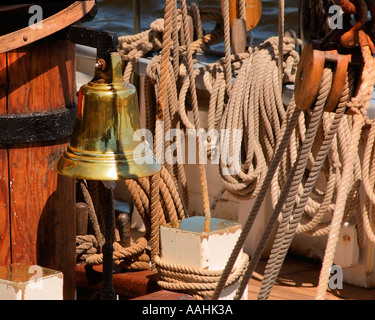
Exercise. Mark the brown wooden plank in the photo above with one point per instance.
(41, 77)
(52, 24)
(3, 83)
(253, 12)
(128, 284)
(298, 280)
(42, 212)
(35, 185)
(5, 257)
(165, 295)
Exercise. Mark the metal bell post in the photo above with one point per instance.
(102, 144)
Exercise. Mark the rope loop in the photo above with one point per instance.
(196, 281)
(309, 161)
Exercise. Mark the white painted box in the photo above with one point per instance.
(187, 244)
(30, 282)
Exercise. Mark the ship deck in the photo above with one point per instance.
(298, 280)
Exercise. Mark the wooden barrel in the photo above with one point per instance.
(37, 220)
(37, 112)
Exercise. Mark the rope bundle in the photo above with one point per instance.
(256, 109)
(314, 182)
(169, 207)
(200, 283)
(134, 47)
(134, 257)
(290, 217)
(291, 190)
(89, 247)
(170, 82)
(360, 104)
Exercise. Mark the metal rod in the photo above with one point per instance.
(137, 29)
(137, 16)
(217, 198)
(108, 292)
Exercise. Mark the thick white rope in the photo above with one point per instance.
(359, 104)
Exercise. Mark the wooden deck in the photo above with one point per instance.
(298, 280)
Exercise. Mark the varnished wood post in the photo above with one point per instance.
(82, 218)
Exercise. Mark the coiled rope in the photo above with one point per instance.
(287, 202)
(256, 109)
(359, 105)
(89, 247)
(200, 283)
(273, 140)
(288, 192)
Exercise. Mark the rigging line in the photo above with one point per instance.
(290, 188)
(281, 41)
(359, 106)
(280, 249)
(159, 130)
(288, 128)
(342, 194)
(193, 91)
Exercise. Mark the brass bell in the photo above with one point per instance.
(102, 144)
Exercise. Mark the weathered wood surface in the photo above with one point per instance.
(238, 36)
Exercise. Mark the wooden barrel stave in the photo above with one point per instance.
(37, 220)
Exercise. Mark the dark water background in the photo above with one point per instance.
(117, 16)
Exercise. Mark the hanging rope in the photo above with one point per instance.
(194, 98)
(294, 178)
(287, 226)
(359, 105)
(281, 40)
(159, 130)
(368, 182)
(161, 86)
(228, 65)
(256, 110)
(286, 132)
